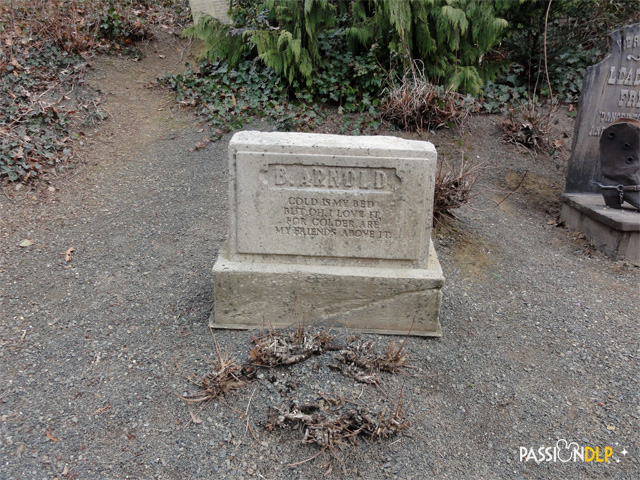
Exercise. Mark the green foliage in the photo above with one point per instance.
(117, 21)
(450, 37)
(508, 89)
(577, 34)
(41, 66)
(354, 81)
(34, 135)
(229, 96)
(221, 42)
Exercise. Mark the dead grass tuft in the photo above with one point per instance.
(282, 347)
(528, 127)
(332, 430)
(227, 375)
(453, 188)
(417, 104)
(362, 362)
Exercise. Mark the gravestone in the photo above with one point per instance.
(610, 91)
(214, 8)
(329, 229)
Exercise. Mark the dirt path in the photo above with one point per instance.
(540, 344)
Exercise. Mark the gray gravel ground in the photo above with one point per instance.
(540, 339)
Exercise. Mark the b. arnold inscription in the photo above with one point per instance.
(335, 178)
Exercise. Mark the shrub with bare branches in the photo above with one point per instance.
(417, 104)
(529, 127)
(453, 188)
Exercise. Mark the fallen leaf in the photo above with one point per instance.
(571, 107)
(200, 145)
(194, 418)
(551, 222)
(233, 98)
(611, 428)
(15, 63)
(65, 470)
(67, 254)
(26, 243)
(162, 56)
(51, 189)
(51, 437)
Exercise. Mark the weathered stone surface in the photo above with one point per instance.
(610, 91)
(214, 8)
(331, 198)
(614, 231)
(333, 229)
(368, 299)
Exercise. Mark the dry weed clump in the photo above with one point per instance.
(338, 428)
(528, 127)
(77, 26)
(44, 46)
(227, 375)
(453, 188)
(417, 104)
(279, 347)
(362, 362)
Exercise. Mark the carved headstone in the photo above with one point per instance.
(611, 90)
(332, 228)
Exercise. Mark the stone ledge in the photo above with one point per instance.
(364, 299)
(614, 231)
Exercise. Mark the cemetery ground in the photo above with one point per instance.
(104, 312)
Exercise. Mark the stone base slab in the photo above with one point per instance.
(614, 231)
(394, 301)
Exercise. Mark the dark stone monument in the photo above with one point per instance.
(610, 92)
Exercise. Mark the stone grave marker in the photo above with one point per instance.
(610, 92)
(329, 229)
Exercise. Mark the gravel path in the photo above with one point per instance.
(540, 339)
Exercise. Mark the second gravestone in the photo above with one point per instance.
(329, 229)
(610, 92)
